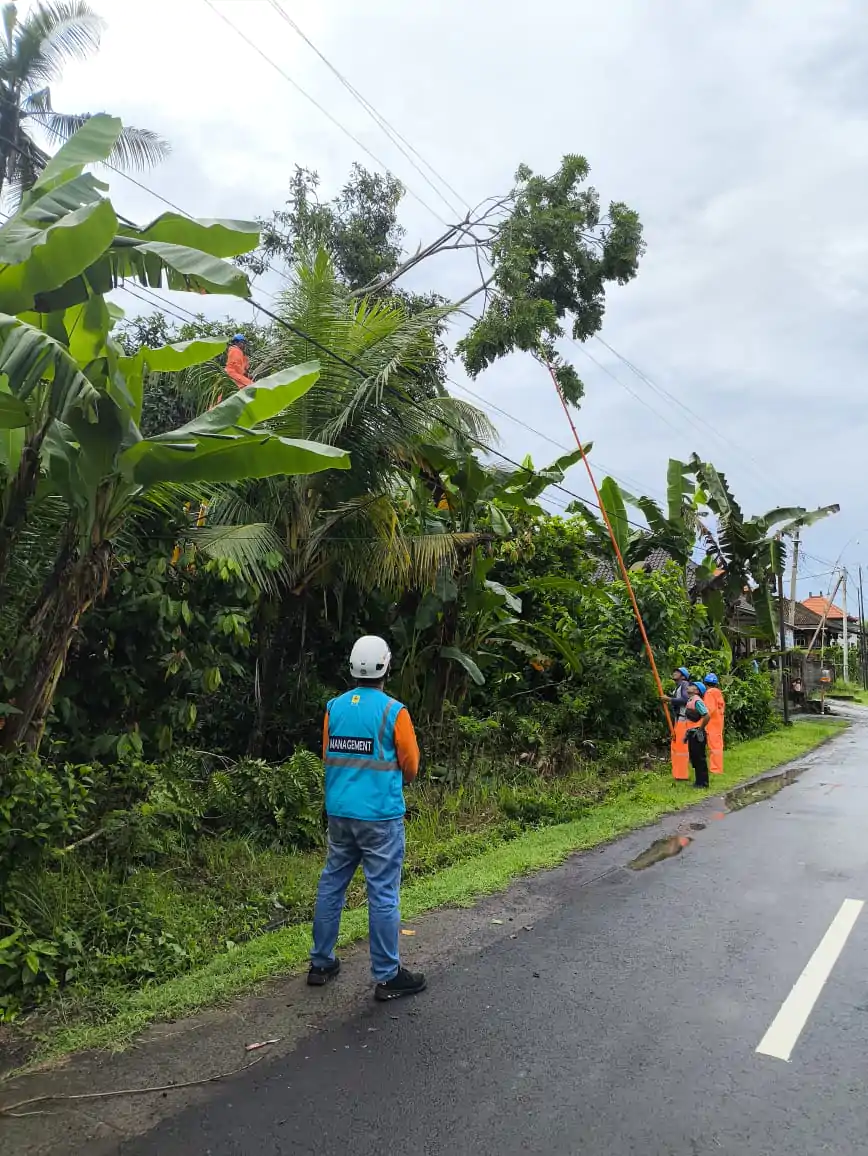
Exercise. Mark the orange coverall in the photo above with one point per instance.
(716, 704)
(237, 362)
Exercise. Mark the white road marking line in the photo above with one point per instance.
(787, 1025)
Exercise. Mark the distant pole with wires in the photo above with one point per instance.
(621, 563)
(782, 631)
(863, 646)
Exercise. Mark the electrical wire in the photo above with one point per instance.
(628, 389)
(400, 142)
(443, 421)
(334, 120)
(696, 419)
(484, 401)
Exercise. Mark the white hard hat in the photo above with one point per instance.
(370, 657)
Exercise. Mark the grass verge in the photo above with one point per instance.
(230, 973)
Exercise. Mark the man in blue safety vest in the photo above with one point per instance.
(370, 752)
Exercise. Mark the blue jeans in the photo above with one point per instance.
(379, 847)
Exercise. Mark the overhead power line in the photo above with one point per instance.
(334, 120)
(629, 483)
(443, 421)
(699, 422)
(627, 389)
(400, 142)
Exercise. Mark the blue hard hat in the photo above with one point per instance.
(683, 670)
(238, 337)
(700, 686)
(711, 680)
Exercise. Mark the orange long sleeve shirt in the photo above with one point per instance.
(406, 744)
(236, 366)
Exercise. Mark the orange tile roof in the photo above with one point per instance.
(818, 603)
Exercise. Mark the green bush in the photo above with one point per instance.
(749, 704)
(532, 807)
(282, 802)
(40, 808)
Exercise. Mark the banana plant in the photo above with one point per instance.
(71, 398)
(746, 553)
(66, 244)
(473, 497)
(61, 251)
(673, 530)
(97, 461)
(462, 628)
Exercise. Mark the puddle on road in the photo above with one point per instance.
(659, 850)
(672, 845)
(764, 789)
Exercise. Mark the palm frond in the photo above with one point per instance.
(136, 148)
(36, 549)
(54, 33)
(254, 549)
(453, 412)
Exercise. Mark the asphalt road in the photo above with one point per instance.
(626, 1021)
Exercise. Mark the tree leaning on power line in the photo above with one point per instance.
(33, 52)
(544, 254)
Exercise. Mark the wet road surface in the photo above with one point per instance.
(627, 1019)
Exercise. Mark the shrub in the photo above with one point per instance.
(532, 807)
(283, 802)
(40, 808)
(749, 710)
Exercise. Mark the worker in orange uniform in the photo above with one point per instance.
(695, 737)
(370, 752)
(677, 703)
(716, 704)
(237, 361)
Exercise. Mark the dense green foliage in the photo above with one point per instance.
(183, 577)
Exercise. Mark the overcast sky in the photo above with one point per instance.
(738, 130)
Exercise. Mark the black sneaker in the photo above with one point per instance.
(404, 983)
(319, 976)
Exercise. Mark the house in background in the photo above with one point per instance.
(741, 624)
(833, 628)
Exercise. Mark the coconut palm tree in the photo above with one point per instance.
(347, 535)
(33, 52)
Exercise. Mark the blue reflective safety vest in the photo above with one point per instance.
(363, 778)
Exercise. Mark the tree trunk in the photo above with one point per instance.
(271, 643)
(21, 490)
(66, 596)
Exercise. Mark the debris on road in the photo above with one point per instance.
(261, 1044)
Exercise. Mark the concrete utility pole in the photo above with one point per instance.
(785, 682)
(794, 574)
(846, 640)
(863, 652)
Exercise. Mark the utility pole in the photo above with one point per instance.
(783, 633)
(863, 646)
(794, 574)
(846, 640)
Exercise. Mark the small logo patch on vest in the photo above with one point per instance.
(339, 745)
(356, 699)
